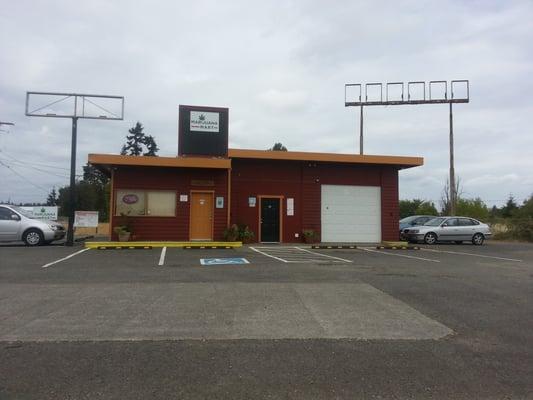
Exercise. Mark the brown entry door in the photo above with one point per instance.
(201, 216)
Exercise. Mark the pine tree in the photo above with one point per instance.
(278, 147)
(134, 141)
(151, 146)
(52, 198)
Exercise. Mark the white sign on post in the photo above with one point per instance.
(86, 219)
(202, 121)
(42, 212)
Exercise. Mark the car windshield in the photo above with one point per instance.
(22, 211)
(406, 220)
(435, 221)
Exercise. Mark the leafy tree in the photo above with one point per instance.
(138, 141)
(474, 208)
(278, 147)
(92, 193)
(94, 176)
(52, 199)
(417, 207)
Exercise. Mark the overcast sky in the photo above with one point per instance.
(280, 67)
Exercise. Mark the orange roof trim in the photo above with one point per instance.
(326, 157)
(172, 162)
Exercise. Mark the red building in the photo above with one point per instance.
(278, 194)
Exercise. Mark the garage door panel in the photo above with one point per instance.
(351, 213)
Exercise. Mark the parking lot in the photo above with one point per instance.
(446, 321)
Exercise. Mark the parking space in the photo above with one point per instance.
(455, 309)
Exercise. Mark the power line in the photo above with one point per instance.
(18, 164)
(23, 177)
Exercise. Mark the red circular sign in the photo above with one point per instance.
(130, 198)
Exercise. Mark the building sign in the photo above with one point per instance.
(202, 182)
(184, 198)
(86, 219)
(203, 131)
(202, 121)
(290, 207)
(251, 201)
(46, 213)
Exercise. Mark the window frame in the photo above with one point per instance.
(145, 198)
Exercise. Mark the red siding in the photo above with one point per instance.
(252, 178)
(302, 181)
(179, 180)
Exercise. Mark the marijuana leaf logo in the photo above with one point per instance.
(201, 117)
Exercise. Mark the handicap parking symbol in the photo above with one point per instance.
(223, 261)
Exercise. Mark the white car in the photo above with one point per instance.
(16, 225)
(450, 229)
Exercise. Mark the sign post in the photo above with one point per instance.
(74, 106)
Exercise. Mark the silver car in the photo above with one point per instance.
(451, 229)
(16, 224)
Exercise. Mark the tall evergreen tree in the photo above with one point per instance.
(52, 198)
(137, 141)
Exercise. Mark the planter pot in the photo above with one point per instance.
(124, 237)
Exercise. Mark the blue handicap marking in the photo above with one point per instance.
(223, 261)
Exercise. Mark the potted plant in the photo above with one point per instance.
(309, 235)
(231, 234)
(123, 232)
(246, 235)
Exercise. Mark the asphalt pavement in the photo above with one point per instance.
(446, 321)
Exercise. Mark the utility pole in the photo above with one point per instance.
(453, 189)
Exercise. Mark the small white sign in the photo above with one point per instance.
(44, 212)
(290, 206)
(202, 121)
(86, 219)
(220, 202)
(184, 198)
(251, 201)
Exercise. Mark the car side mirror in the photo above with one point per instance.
(15, 217)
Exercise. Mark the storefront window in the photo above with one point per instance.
(141, 202)
(130, 202)
(161, 204)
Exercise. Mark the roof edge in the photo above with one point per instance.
(403, 161)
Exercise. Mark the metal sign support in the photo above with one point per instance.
(416, 94)
(74, 114)
(361, 132)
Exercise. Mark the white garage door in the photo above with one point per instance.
(351, 213)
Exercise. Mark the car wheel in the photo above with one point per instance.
(478, 239)
(458, 242)
(33, 237)
(430, 238)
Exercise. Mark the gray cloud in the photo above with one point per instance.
(281, 68)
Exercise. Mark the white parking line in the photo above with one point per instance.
(268, 255)
(470, 254)
(295, 254)
(162, 257)
(64, 258)
(399, 255)
(324, 255)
